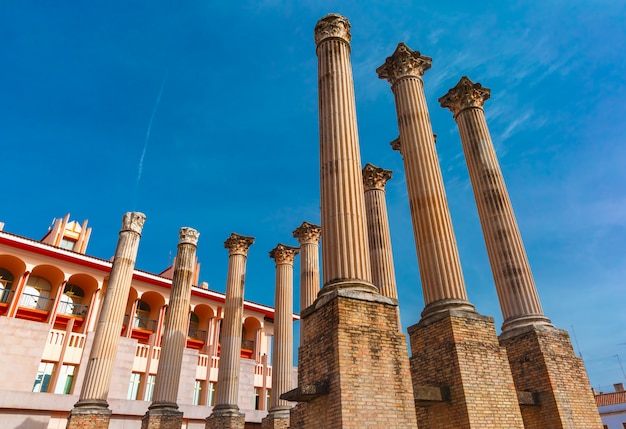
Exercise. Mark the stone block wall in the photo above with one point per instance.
(458, 352)
(355, 357)
(542, 361)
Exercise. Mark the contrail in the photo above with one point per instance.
(145, 144)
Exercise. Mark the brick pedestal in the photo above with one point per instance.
(226, 419)
(461, 376)
(90, 416)
(273, 421)
(353, 369)
(543, 362)
(166, 418)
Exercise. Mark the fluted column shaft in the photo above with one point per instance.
(97, 379)
(282, 365)
(381, 255)
(345, 255)
(438, 256)
(176, 319)
(511, 271)
(308, 236)
(228, 375)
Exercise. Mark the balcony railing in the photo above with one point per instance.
(36, 302)
(247, 344)
(72, 309)
(197, 334)
(5, 295)
(144, 324)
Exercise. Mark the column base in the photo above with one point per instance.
(543, 362)
(89, 415)
(162, 416)
(353, 369)
(226, 418)
(276, 419)
(460, 373)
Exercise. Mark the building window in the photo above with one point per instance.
(66, 380)
(44, 373)
(257, 398)
(67, 244)
(197, 391)
(133, 386)
(37, 294)
(212, 398)
(149, 387)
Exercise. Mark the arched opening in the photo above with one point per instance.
(249, 338)
(36, 294)
(6, 285)
(142, 317)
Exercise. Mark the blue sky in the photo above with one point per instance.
(204, 114)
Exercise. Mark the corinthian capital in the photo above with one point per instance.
(332, 26)
(238, 244)
(307, 233)
(375, 177)
(188, 236)
(133, 221)
(404, 62)
(464, 95)
(283, 254)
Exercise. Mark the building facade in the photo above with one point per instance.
(51, 292)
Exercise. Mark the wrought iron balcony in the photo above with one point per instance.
(36, 302)
(73, 309)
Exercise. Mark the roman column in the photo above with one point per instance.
(440, 267)
(308, 236)
(511, 271)
(282, 366)
(92, 409)
(381, 256)
(466, 359)
(351, 340)
(345, 256)
(163, 412)
(541, 357)
(226, 412)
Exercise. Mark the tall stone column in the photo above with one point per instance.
(440, 266)
(350, 338)
(282, 367)
(226, 414)
(92, 409)
(456, 356)
(383, 273)
(534, 346)
(308, 236)
(345, 255)
(163, 412)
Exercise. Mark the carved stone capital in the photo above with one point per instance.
(396, 145)
(188, 236)
(238, 244)
(464, 95)
(375, 177)
(402, 63)
(332, 26)
(283, 254)
(133, 221)
(307, 233)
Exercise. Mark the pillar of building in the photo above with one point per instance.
(163, 412)
(381, 256)
(226, 414)
(350, 338)
(278, 416)
(92, 410)
(461, 377)
(542, 359)
(308, 236)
